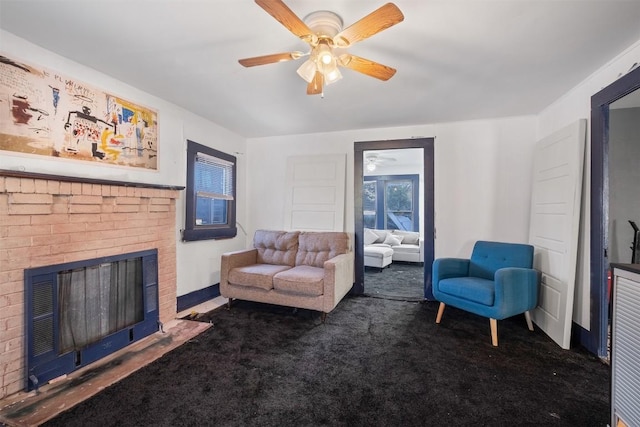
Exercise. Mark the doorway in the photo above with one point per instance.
(402, 219)
(596, 339)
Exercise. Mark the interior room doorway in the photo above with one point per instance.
(623, 94)
(400, 214)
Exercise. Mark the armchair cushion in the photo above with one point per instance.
(487, 257)
(473, 289)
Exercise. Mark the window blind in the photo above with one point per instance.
(213, 177)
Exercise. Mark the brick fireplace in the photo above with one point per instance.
(47, 220)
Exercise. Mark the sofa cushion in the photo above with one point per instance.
(256, 275)
(408, 237)
(392, 240)
(369, 236)
(303, 279)
(276, 247)
(474, 289)
(314, 248)
(376, 251)
(382, 234)
(406, 249)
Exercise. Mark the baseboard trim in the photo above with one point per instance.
(197, 297)
(579, 336)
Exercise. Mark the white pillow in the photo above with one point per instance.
(382, 234)
(369, 236)
(393, 240)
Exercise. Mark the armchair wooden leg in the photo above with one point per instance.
(494, 332)
(229, 303)
(440, 311)
(527, 315)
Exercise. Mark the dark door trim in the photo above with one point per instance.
(428, 208)
(595, 340)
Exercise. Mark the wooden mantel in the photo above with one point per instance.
(63, 178)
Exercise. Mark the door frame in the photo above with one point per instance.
(427, 145)
(595, 340)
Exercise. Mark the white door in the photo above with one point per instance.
(315, 193)
(555, 220)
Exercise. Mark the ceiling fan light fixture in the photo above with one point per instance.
(324, 54)
(323, 31)
(331, 72)
(307, 70)
(371, 166)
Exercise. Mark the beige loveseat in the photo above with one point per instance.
(312, 270)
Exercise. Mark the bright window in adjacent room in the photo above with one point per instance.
(391, 202)
(210, 194)
(399, 205)
(369, 203)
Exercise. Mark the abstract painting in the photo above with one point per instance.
(45, 113)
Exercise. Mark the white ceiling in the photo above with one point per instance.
(456, 60)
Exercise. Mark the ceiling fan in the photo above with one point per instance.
(323, 31)
(372, 160)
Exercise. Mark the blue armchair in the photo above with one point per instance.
(497, 282)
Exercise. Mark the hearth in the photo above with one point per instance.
(79, 312)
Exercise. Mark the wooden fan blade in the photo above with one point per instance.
(270, 59)
(286, 17)
(366, 66)
(378, 20)
(315, 87)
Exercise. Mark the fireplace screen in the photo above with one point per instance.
(96, 301)
(77, 313)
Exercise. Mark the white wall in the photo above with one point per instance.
(482, 177)
(574, 105)
(198, 262)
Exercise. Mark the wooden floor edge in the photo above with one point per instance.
(33, 409)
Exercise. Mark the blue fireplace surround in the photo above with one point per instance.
(44, 360)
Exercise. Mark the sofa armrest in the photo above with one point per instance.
(338, 279)
(516, 290)
(231, 260)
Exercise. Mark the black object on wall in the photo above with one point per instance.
(635, 245)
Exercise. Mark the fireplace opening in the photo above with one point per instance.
(77, 313)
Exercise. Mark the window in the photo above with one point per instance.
(398, 198)
(369, 203)
(391, 202)
(210, 197)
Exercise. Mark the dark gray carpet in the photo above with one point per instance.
(400, 280)
(375, 362)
